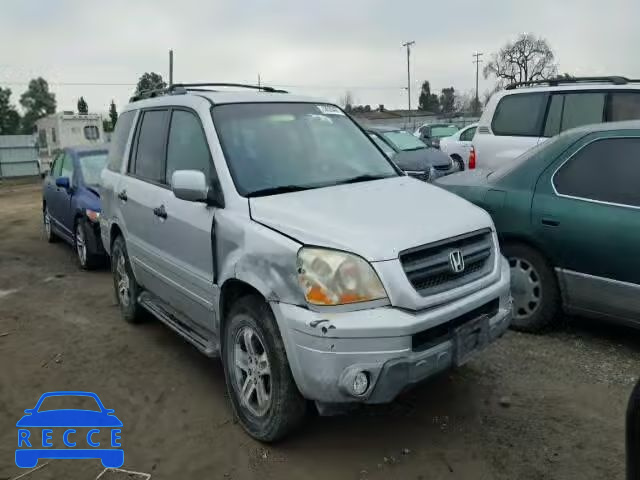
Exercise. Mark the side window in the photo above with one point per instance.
(467, 135)
(187, 148)
(57, 165)
(67, 167)
(582, 109)
(119, 140)
(149, 160)
(624, 106)
(519, 115)
(606, 170)
(554, 116)
(91, 132)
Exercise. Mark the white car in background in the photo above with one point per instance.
(527, 113)
(458, 146)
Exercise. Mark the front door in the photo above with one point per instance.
(589, 206)
(184, 233)
(60, 198)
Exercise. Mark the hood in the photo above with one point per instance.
(88, 197)
(376, 219)
(422, 159)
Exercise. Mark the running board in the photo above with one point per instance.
(154, 306)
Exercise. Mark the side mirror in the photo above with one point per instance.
(63, 182)
(190, 185)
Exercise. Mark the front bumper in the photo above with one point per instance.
(326, 350)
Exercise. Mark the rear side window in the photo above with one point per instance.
(149, 160)
(582, 109)
(467, 135)
(625, 106)
(119, 140)
(572, 110)
(187, 148)
(606, 171)
(519, 115)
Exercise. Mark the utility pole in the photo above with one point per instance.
(408, 45)
(259, 81)
(170, 67)
(477, 61)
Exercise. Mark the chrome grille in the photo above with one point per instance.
(424, 176)
(429, 270)
(442, 168)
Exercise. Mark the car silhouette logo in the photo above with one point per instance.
(68, 425)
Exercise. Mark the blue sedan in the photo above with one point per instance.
(71, 202)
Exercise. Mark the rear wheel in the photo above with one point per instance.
(126, 287)
(458, 162)
(534, 287)
(48, 229)
(263, 393)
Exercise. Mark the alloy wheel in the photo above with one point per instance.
(252, 371)
(81, 245)
(122, 281)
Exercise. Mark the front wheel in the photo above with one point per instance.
(126, 287)
(534, 287)
(86, 259)
(263, 393)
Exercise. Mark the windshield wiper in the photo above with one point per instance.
(413, 149)
(279, 189)
(362, 178)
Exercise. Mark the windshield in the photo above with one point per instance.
(389, 152)
(404, 140)
(295, 146)
(441, 132)
(91, 165)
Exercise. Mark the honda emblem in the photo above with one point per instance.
(456, 261)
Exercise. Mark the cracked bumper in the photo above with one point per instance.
(382, 342)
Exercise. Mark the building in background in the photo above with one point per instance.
(67, 129)
(18, 156)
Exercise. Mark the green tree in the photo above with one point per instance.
(428, 102)
(113, 114)
(83, 108)
(9, 117)
(150, 81)
(448, 100)
(37, 102)
(527, 58)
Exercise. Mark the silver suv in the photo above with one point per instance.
(270, 230)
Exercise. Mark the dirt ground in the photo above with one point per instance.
(529, 407)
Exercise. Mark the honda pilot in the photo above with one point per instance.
(270, 230)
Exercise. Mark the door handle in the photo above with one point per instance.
(550, 222)
(160, 212)
(123, 195)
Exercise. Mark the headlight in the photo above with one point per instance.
(331, 277)
(92, 215)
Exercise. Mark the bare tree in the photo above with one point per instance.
(527, 58)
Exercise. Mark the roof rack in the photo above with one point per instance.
(182, 88)
(554, 82)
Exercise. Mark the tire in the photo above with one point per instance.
(459, 162)
(47, 227)
(86, 259)
(126, 292)
(283, 408)
(534, 287)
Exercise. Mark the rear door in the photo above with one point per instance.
(184, 236)
(516, 127)
(593, 212)
(138, 193)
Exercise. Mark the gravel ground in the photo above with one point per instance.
(529, 407)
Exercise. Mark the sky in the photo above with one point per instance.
(320, 48)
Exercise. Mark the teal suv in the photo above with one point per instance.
(568, 219)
